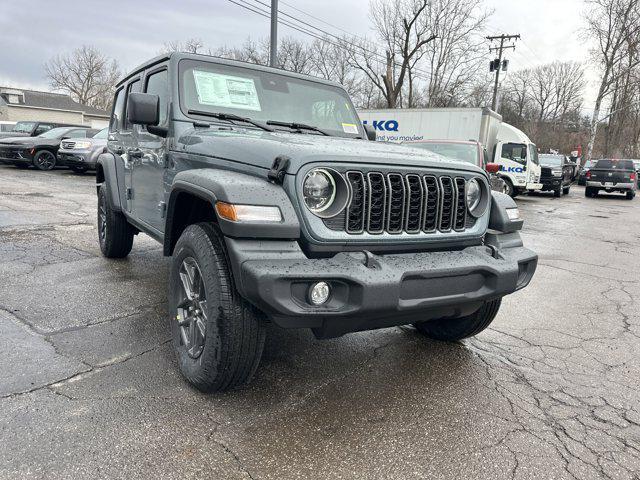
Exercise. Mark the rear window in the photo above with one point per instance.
(615, 164)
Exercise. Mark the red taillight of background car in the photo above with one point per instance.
(632, 176)
(588, 174)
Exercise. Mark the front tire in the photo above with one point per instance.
(557, 192)
(44, 160)
(565, 190)
(508, 188)
(217, 336)
(114, 232)
(450, 330)
(79, 170)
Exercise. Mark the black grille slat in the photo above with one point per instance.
(395, 203)
(461, 207)
(415, 204)
(432, 203)
(447, 206)
(356, 212)
(377, 201)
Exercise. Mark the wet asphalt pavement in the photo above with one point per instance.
(89, 388)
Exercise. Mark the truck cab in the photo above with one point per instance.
(517, 156)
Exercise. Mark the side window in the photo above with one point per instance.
(158, 84)
(515, 151)
(43, 127)
(132, 88)
(117, 115)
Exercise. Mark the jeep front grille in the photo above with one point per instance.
(403, 203)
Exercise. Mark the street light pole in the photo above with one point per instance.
(273, 49)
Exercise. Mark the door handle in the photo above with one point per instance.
(135, 153)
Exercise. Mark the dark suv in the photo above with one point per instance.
(263, 187)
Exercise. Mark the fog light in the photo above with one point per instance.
(319, 293)
(513, 213)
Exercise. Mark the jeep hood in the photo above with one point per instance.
(260, 148)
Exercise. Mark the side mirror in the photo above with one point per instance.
(143, 109)
(492, 168)
(370, 131)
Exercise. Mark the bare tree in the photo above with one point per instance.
(86, 74)
(458, 51)
(615, 26)
(403, 28)
(191, 45)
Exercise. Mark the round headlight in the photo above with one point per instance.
(474, 195)
(319, 190)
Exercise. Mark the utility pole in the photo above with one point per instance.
(498, 64)
(273, 49)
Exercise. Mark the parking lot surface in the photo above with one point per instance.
(89, 389)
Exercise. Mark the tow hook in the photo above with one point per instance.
(370, 260)
(494, 251)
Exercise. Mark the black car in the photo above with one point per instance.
(265, 189)
(612, 175)
(39, 151)
(582, 177)
(33, 128)
(556, 173)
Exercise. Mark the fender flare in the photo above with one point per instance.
(107, 174)
(214, 185)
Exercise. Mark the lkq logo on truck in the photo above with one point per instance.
(511, 169)
(384, 125)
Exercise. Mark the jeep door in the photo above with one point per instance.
(128, 148)
(149, 169)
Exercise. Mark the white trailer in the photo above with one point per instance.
(506, 145)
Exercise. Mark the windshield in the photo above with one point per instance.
(102, 133)
(54, 132)
(23, 127)
(551, 160)
(458, 151)
(264, 96)
(615, 165)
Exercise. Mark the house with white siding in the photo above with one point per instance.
(18, 104)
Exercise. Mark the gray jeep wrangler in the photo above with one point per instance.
(263, 187)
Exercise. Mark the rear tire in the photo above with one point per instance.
(217, 336)
(44, 160)
(565, 190)
(114, 232)
(631, 195)
(590, 192)
(451, 330)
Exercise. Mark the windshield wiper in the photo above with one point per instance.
(230, 117)
(298, 126)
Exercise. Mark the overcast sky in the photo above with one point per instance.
(133, 31)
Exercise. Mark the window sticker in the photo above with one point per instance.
(226, 91)
(350, 128)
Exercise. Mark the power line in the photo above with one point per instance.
(305, 28)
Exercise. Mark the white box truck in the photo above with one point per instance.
(507, 146)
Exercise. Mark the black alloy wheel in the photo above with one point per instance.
(191, 311)
(44, 160)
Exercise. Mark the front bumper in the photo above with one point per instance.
(619, 186)
(16, 155)
(372, 291)
(552, 183)
(82, 158)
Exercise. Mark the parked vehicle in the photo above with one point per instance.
(6, 126)
(39, 151)
(33, 129)
(469, 152)
(262, 186)
(507, 146)
(612, 175)
(636, 165)
(582, 179)
(81, 154)
(557, 174)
